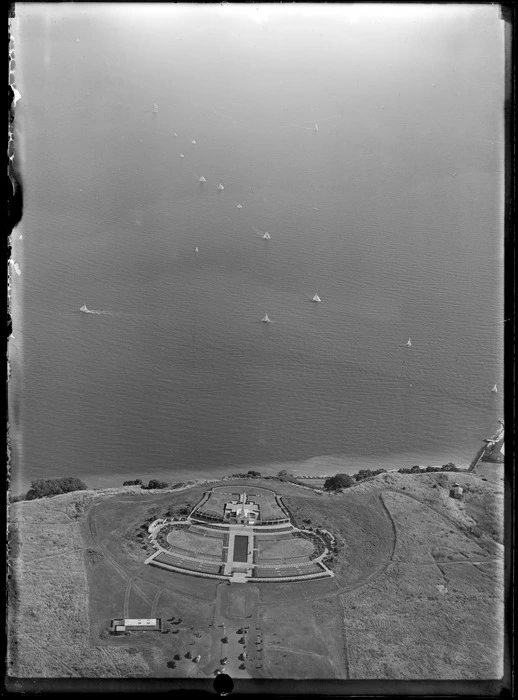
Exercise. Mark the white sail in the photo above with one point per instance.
(193, 142)
(196, 249)
(266, 236)
(408, 344)
(494, 389)
(220, 187)
(266, 319)
(316, 126)
(316, 298)
(202, 179)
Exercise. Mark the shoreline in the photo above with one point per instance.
(317, 467)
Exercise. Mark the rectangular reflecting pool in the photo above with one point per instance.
(240, 548)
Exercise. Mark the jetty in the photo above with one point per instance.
(492, 451)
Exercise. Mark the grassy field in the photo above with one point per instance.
(417, 591)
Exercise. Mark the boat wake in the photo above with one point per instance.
(94, 311)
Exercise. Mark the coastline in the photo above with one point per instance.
(321, 466)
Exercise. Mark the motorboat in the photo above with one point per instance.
(239, 206)
(84, 309)
(155, 108)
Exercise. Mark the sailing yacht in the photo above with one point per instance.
(408, 344)
(202, 179)
(316, 126)
(266, 236)
(220, 187)
(494, 389)
(196, 249)
(84, 309)
(266, 319)
(316, 298)
(155, 108)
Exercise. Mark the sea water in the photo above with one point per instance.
(392, 212)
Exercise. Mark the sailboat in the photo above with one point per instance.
(196, 249)
(182, 155)
(155, 108)
(494, 389)
(316, 126)
(316, 298)
(193, 142)
(84, 309)
(266, 319)
(266, 236)
(408, 344)
(202, 179)
(220, 187)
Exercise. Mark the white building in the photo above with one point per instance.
(242, 512)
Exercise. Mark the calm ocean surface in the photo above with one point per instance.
(178, 378)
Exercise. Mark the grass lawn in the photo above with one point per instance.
(294, 643)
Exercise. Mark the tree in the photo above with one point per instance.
(284, 473)
(137, 482)
(339, 481)
(51, 487)
(155, 484)
(254, 474)
(450, 467)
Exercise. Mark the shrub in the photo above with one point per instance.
(137, 482)
(155, 484)
(15, 499)
(367, 473)
(450, 467)
(51, 487)
(339, 481)
(254, 474)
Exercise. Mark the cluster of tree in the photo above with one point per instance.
(338, 481)
(285, 475)
(251, 474)
(51, 487)
(155, 484)
(450, 467)
(137, 482)
(367, 473)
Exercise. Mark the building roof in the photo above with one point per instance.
(141, 622)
